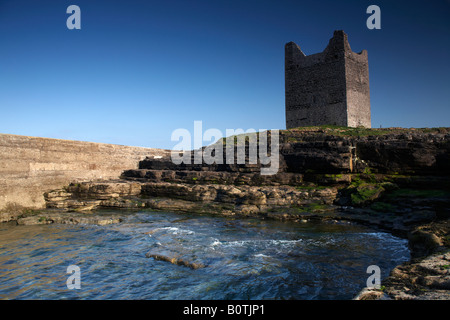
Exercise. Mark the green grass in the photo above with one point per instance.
(347, 131)
(364, 132)
(242, 139)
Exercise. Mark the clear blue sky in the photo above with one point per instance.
(137, 70)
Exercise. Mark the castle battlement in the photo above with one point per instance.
(327, 88)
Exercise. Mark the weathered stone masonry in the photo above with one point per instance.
(327, 88)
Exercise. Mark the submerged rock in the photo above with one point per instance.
(68, 218)
(175, 259)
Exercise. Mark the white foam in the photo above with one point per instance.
(268, 242)
(174, 230)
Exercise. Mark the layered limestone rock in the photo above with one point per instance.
(385, 151)
(228, 199)
(317, 165)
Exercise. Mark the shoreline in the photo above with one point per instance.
(425, 276)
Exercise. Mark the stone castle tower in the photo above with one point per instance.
(327, 88)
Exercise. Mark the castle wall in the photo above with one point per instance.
(358, 92)
(327, 88)
(315, 89)
(30, 166)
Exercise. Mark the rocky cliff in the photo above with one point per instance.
(395, 179)
(320, 166)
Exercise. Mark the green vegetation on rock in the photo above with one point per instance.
(359, 131)
(365, 193)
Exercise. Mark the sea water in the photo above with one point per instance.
(239, 258)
